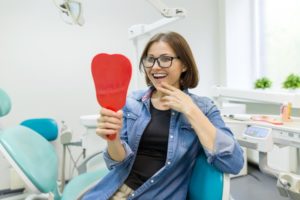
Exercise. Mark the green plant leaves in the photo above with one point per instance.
(263, 83)
(292, 82)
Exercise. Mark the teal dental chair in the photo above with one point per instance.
(34, 158)
(27, 149)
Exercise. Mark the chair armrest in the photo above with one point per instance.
(82, 183)
(82, 168)
(226, 187)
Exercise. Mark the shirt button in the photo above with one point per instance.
(171, 136)
(152, 181)
(173, 113)
(132, 194)
(128, 115)
(169, 163)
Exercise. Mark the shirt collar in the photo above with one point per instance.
(147, 95)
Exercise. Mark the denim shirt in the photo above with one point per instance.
(172, 180)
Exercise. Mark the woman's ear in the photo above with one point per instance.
(184, 68)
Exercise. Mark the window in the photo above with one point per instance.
(280, 39)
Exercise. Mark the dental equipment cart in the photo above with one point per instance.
(261, 136)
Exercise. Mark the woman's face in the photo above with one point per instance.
(157, 74)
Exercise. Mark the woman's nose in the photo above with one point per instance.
(156, 65)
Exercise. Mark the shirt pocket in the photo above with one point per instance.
(130, 119)
(187, 135)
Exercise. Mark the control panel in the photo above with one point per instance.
(258, 138)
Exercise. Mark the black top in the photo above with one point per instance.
(152, 152)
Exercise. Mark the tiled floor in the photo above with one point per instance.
(255, 186)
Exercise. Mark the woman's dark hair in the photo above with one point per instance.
(189, 78)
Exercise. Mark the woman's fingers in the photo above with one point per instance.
(104, 132)
(107, 112)
(168, 86)
(109, 119)
(165, 90)
(109, 123)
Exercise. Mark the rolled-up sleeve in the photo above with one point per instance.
(224, 144)
(110, 163)
(227, 154)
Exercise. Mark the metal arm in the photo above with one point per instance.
(170, 15)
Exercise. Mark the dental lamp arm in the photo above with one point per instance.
(165, 11)
(170, 15)
(141, 29)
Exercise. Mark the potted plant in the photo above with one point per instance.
(263, 83)
(292, 82)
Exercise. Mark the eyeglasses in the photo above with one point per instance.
(162, 61)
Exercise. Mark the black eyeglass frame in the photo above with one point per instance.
(157, 59)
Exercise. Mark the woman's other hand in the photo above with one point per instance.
(176, 99)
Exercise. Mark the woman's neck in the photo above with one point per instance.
(157, 102)
(157, 94)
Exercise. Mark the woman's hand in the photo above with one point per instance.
(176, 99)
(109, 123)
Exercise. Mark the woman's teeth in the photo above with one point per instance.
(158, 76)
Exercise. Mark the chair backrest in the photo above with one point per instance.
(46, 127)
(208, 183)
(33, 157)
(5, 103)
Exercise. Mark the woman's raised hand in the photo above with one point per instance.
(109, 123)
(176, 99)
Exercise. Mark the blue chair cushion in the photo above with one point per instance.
(206, 182)
(5, 103)
(46, 127)
(34, 155)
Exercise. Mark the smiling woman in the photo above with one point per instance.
(162, 130)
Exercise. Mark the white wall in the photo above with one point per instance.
(45, 63)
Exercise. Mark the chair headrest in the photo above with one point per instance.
(46, 127)
(5, 103)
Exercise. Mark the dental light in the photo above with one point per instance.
(170, 15)
(70, 12)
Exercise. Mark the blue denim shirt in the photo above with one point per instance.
(171, 181)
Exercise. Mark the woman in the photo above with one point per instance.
(161, 130)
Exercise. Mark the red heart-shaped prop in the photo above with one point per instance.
(111, 74)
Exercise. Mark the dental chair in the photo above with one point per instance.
(34, 158)
(26, 147)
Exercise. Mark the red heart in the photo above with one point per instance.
(111, 74)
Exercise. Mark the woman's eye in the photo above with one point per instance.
(149, 59)
(165, 59)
